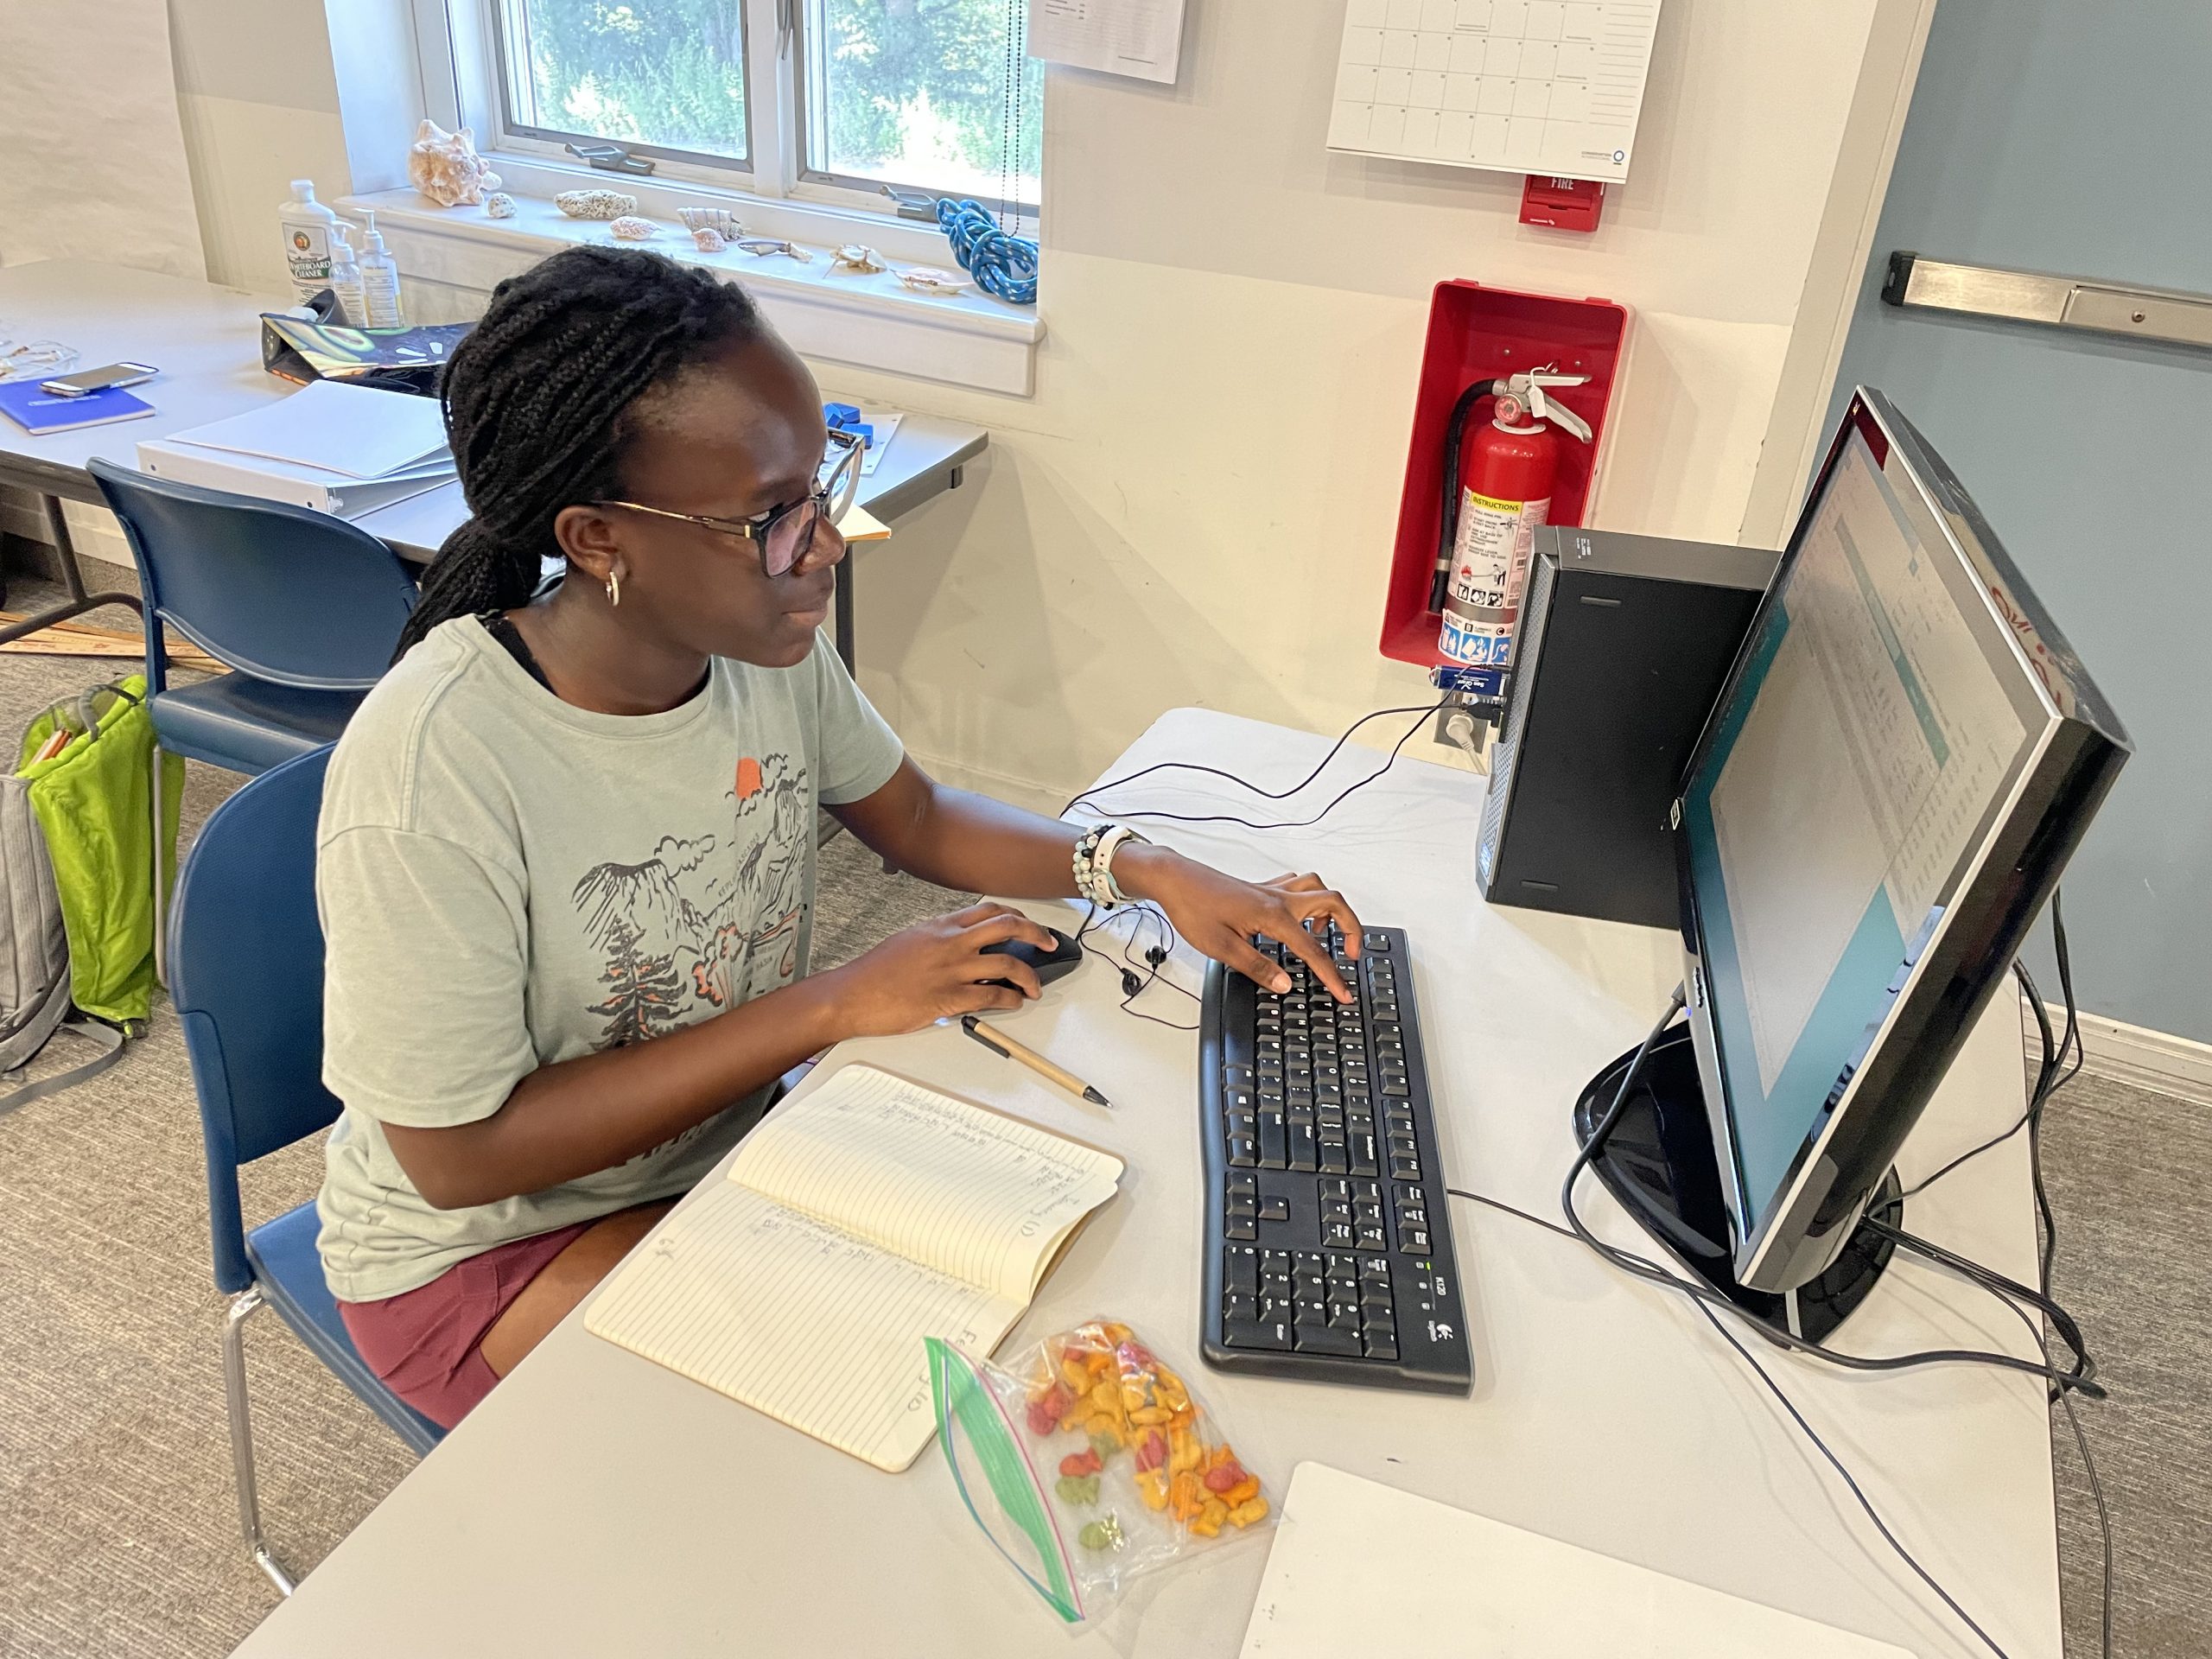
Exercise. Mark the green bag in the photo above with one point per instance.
(93, 801)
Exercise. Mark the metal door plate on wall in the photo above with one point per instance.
(2079, 303)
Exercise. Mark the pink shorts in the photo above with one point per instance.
(426, 1343)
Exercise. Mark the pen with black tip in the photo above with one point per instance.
(998, 1043)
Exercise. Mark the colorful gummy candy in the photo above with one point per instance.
(1100, 1381)
(1079, 1488)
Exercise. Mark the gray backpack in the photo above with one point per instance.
(34, 959)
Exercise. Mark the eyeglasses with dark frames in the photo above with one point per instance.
(784, 535)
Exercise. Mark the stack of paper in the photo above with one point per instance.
(339, 449)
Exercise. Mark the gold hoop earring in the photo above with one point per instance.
(614, 587)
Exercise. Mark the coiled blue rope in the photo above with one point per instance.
(1002, 264)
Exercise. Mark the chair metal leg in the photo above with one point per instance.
(161, 881)
(241, 1309)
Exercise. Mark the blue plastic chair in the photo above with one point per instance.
(246, 958)
(304, 608)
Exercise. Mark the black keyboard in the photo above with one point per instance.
(1328, 1252)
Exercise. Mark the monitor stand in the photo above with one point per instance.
(1661, 1163)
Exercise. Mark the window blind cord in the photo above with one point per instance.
(1010, 118)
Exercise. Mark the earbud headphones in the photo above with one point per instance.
(1134, 982)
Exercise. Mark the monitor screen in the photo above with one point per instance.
(1871, 739)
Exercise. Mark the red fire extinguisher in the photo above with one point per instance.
(1490, 522)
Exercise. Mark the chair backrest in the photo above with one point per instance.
(281, 593)
(245, 974)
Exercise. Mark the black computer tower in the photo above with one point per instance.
(1624, 642)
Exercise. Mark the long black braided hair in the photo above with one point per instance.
(535, 399)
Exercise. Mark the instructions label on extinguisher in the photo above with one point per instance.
(1489, 570)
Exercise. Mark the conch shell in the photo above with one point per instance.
(445, 166)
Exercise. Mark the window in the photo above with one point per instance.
(831, 100)
(935, 97)
(662, 76)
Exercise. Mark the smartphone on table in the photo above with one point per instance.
(85, 381)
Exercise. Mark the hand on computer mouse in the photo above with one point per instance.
(938, 968)
(1063, 959)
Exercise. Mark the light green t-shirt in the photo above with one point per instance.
(506, 881)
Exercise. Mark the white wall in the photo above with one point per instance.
(1197, 504)
(260, 105)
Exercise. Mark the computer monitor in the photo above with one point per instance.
(1901, 760)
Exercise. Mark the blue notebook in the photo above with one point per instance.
(40, 412)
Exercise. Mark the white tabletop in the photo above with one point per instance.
(597, 1503)
(207, 341)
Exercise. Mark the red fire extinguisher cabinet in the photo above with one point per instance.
(1484, 334)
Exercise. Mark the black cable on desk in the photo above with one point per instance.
(1270, 795)
(1796, 1416)
(2011, 1295)
(1135, 980)
(2053, 1073)
(1998, 1286)
(1641, 1267)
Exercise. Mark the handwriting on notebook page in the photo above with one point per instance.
(971, 1193)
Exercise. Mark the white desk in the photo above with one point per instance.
(207, 341)
(596, 1503)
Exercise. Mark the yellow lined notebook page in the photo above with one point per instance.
(796, 1318)
(973, 1193)
(856, 1222)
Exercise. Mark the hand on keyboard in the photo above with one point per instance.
(1218, 913)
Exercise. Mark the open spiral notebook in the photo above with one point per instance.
(857, 1220)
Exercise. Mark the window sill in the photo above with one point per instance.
(971, 340)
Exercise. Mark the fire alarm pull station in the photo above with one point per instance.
(1563, 204)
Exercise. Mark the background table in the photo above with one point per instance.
(206, 340)
(597, 1503)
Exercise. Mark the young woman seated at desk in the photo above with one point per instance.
(566, 861)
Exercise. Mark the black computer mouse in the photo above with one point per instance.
(1061, 960)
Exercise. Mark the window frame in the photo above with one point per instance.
(463, 53)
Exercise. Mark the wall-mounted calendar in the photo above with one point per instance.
(1548, 87)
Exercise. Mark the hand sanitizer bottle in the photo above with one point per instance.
(346, 278)
(306, 224)
(380, 284)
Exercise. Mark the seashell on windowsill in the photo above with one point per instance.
(595, 204)
(721, 220)
(445, 166)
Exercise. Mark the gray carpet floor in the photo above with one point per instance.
(118, 1529)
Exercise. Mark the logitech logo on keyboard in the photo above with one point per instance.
(1440, 1331)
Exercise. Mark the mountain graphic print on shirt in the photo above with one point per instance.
(706, 923)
